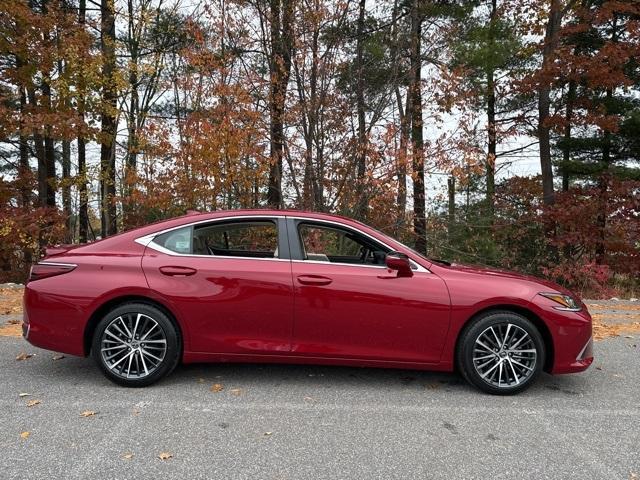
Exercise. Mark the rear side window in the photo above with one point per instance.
(178, 241)
(256, 239)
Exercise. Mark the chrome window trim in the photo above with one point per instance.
(57, 264)
(147, 241)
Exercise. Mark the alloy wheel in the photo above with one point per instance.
(504, 355)
(133, 345)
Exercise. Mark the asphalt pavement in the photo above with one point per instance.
(306, 422)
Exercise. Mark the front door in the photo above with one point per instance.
(349, 305)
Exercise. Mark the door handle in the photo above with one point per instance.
(177, 271)
(314, 280)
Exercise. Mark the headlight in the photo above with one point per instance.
(565, 302)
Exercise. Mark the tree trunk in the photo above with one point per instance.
(38, 142)
(280, 69)
(603, 181)
(417, 139)
(491, 127)
(131, 161)
(451, 217)
(566, 150)
(66, 190)
(544, 100)
(83, 214)
(404, 116)
(24, 169)
(361, 148)
(109, 120)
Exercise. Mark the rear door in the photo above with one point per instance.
(230, 282)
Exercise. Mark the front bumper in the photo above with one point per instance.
(573, 342)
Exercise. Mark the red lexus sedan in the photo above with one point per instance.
(296, 287)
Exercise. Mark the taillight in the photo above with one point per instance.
(44, 270)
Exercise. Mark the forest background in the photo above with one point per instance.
(410, 115)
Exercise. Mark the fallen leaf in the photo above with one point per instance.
(24, 356)
(267, 434)
(309, 399)
(217, 387)
(128, 456)
(598, 368)
(57, 357)
(165, 456)
(136, 411)
(24, 394)
(236, 391)
(33, 403)
(25, 435)
(88, 413)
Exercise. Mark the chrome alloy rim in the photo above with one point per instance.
(133, 345)
(504, 355)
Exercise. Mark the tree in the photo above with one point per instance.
(109, 120)
(281, 17)
(417, 138)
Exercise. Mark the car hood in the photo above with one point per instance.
(498, 272)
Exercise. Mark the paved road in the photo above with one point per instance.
(300, 422)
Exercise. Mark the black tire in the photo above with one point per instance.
(488, 324)
(164, 330)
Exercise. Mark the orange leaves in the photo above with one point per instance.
(88, 413)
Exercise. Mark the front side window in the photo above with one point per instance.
(327, 244)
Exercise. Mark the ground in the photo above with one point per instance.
(302, 422)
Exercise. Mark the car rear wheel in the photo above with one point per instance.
(501, 353)
(136, 345)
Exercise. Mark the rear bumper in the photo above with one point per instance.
(50, 322)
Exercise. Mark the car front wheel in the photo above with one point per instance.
(501, 353)
(136, 345)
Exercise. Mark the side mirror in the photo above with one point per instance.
(399, 262)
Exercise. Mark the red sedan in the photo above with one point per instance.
(296, 287)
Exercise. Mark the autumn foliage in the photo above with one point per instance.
(116, 116)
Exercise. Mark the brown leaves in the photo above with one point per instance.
(128, 456)
(165, 456)
(603, 330)
(11, 329)
(88, 413)
(217, 387)
(24, 356)
(10, 301)
(25, 435)
(33, 403)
